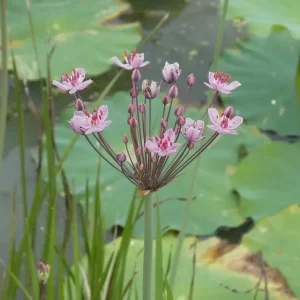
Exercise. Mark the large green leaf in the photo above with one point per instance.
(268, 179)
(267, 70)
(210, 270)
(79, 29)
(278, 238)
(214, 205)
(261, 15)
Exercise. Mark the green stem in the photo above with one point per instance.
(148, 239)
(187, 209)
(4, 91)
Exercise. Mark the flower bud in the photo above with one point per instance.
(173, 91)
(190, 144)
(133, 122)
(79, 104)
(142, 107)
(125, 139)
(43, 272)
(150, 89)
(191, 80)
(178, 111)
(228, 112)
(180, 121)
(134, 92)
(138, 151)
(163, 123)
(121, 157)
(177, 130)
(141, 167)
(136, 75)
(170, 72)
(130, 108)
(153, 159)
(165, 100)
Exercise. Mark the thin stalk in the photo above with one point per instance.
(197, 163)
(148, 235)
(4, 90)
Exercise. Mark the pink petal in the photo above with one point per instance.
(91, 130)
(73, 90)
(152, 147)
(232, 132)
(81, 73)
(145, 63)
(170, 133)
(214, 127)
(199, 124)
(208, 85)
(235, 122)
(233, 85)
(120, 64)
(214, 116)
(188, 121)
(211, 78)
(224, 90)
(61, 86)
(104, 110)
(84, 84)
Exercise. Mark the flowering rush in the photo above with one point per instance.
(152, 159)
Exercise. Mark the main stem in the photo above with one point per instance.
(148, 239)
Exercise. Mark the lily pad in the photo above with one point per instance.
(261, 15)
(214, 204)
(278, 238)
(80, 30)
(209, 273)
(268, 179)
(267, 70)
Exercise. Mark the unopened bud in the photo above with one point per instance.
(228, 112)
(136, 75)
(170, 72)
(130, 108)
(121, 157)
(178, 111)
(133, 122)
(125, 139)
(191, 145)
(177, 130)
(134, 92)
(43, 272)
(139, 151)
(180, 121)
(141, 167)
(165, 100)
(163, 123)
(79, 104)
(191, 80)
(142, 107)
(153, 159)
(173, 91)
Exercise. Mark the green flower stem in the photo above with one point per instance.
(4, 91)
(187, 209)
(148, 239)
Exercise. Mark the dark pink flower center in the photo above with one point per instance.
(222, 78)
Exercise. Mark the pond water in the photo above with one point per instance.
(188, 37)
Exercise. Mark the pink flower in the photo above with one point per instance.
(164, 146)
(220, 82)
(224, 124)
(74, 82)
(133, 60)
(150, 89)
(81, 122)
(86, 123)
(171, 72)
(192, 130)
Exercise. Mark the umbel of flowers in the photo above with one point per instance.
(158, 158)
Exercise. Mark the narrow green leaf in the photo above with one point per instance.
(168, 291)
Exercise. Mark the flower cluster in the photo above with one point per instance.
(151, 161)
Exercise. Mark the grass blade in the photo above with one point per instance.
(158, 259)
